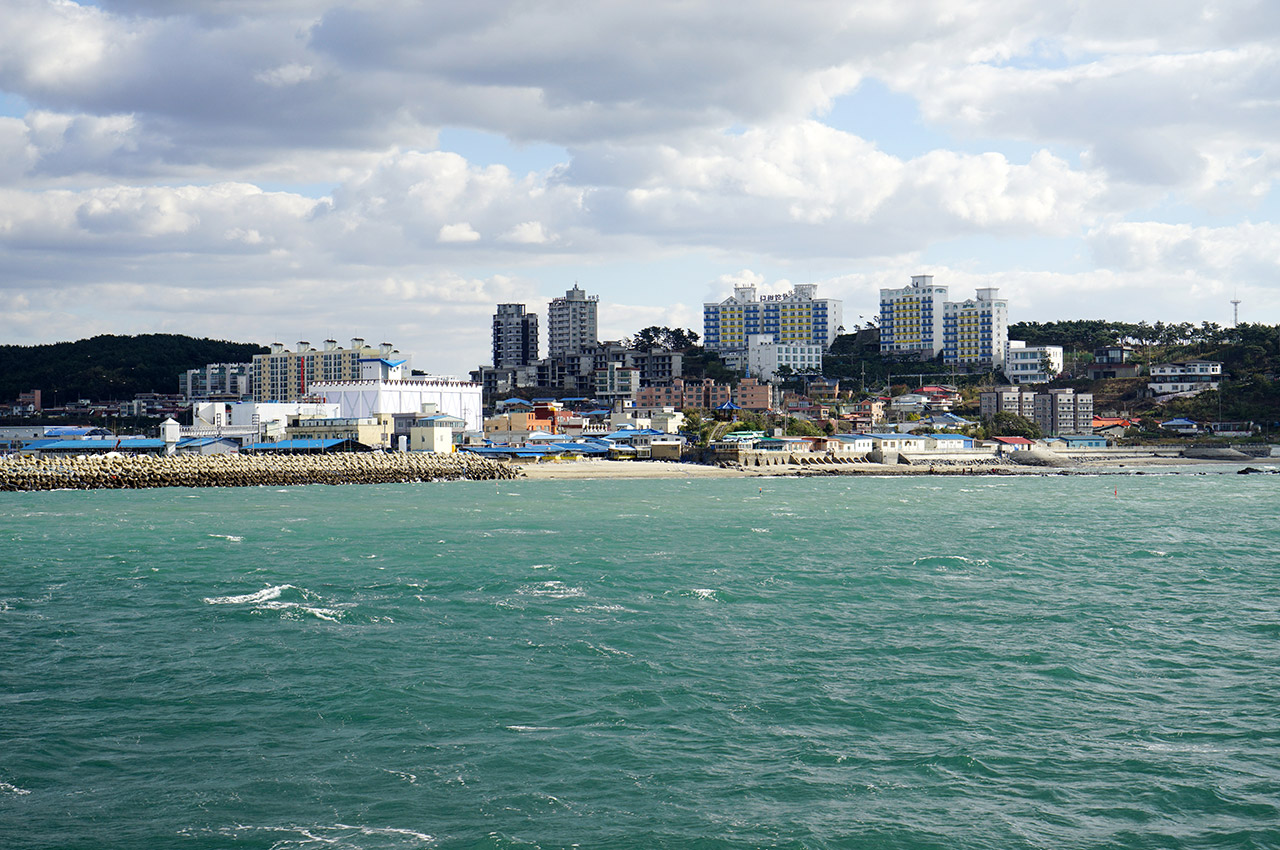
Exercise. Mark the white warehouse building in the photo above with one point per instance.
(382, 392)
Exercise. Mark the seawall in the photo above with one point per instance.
(235, 470)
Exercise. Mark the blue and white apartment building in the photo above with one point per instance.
(918, 319)
(794, 318)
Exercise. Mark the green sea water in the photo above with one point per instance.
(1046, 662)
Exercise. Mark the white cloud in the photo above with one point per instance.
(527, 233)
(205, 148)
(460, 232)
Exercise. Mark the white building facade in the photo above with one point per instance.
(1185, 377)
(380, 399)
(1026, 364)
(765, 356)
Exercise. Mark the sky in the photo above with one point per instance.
(309, 169)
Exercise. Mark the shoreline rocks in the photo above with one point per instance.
(235, 470)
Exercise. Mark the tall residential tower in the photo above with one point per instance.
(572, 323)
(515, 336)
(919, 320)
(797, 317)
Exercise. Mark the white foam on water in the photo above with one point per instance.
(407, 777)
(339, 835)
(553, 590)
(704, 593)
(760, 530)
(323, 613)
(9, 788)
(264, 595)
(231, 538)
(532, 728)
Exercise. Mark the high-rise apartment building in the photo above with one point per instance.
(794, 318)
(515, 336)
(911, 318)
(976, 331)
(287, 375)
(217, 380)
(918, 319)
(572, 322)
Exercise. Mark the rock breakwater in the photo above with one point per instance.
(234, 470)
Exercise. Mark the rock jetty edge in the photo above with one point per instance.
(235, 470)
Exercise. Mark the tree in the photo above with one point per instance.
(1007, 424)
(672, 339)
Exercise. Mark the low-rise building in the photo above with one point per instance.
(1113, 361)
(367, 432)
(1032, 364)
(1188, 376)
(438, 434)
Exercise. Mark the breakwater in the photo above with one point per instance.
(235, 470)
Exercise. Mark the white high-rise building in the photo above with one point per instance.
(918, 319)
(572, 323)
(976, 330)
(794, 318)
(911, 318)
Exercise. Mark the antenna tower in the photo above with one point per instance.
(1235, 312)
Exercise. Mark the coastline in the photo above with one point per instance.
(621, 469)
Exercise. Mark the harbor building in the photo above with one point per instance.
(382, 391)
(572, 322)
(284, 375)
(919, 320)
(515, 336)
(798, 317)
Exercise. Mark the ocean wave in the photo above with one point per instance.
(268, 599)
(264, 595)
(230, 538)
(10, 788)
(553, 590)
(339, 836)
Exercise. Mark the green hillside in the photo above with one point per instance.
(111, 368)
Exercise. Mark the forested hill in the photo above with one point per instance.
(107, 368)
